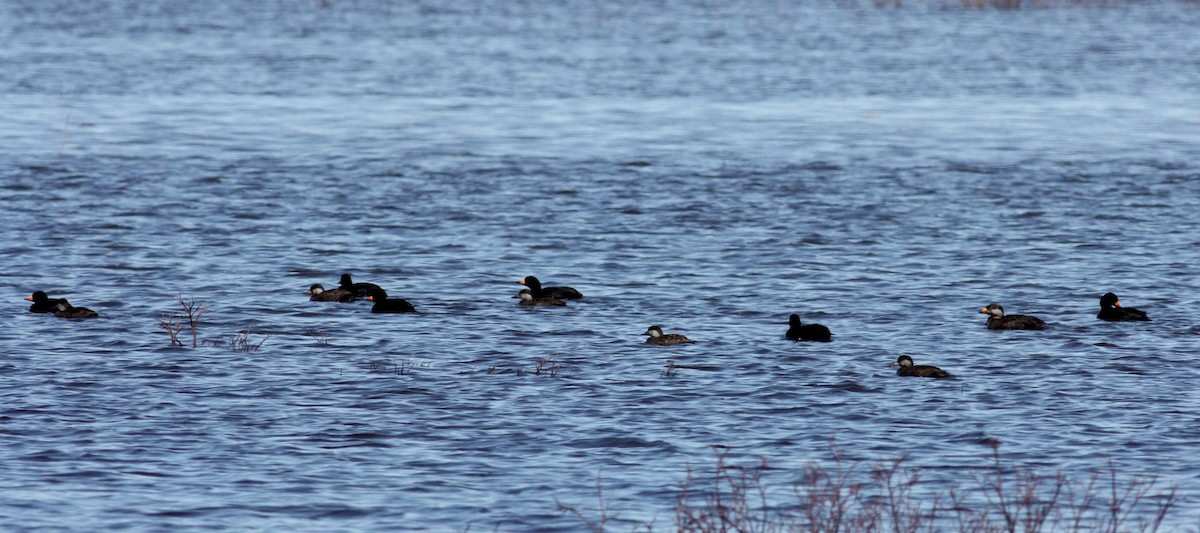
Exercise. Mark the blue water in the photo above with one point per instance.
(711, 167)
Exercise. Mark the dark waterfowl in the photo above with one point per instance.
(360, 290)
(807, 332)
(319, 294)
(998, 320)
(64, 309)
(383, 304)
(42, 303)
(664, 339)
(907, 368)
(539, 292)
(1111, 310)
(528, 300)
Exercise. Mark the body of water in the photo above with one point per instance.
(708, 166)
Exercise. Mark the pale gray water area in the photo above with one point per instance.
(710, 167)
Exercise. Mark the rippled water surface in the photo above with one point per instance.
(711, 167)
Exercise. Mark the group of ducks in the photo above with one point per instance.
(796, 332)
(43, 303)
(1110, 310)
(535, 295)
(348, 291)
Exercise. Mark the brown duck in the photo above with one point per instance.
(64, 309)
(319, 294)
(998, 320)
(665, 339)
(527, 299)
(907, 368)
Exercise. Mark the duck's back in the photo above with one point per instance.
(923, 371)
(1122, 314)
(809, 332)
(669, 339)
(77, 312)
(43, 307)
(543, 302)
(333, 295)
(360, 290)
(393, 305)
(560, 293)
(1016, 322)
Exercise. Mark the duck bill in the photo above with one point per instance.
(984, 311)
(1115, 304)
(30, 297)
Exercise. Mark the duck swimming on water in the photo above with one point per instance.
(42, 303)
(665, 339)
(360, 290)
(998, 320)
(319, 294)
(562, 293)
(907, 368)
(383, 304)
(1111, 310)
(64, 309)
(806, 332)
(527, 299)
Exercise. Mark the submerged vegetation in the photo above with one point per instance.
(548, 366)
(892, 496)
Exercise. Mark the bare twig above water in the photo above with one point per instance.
(547, 366)
(893, 496)
(190, 318)
(240, 341)
(322, 336)
(173, 327)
